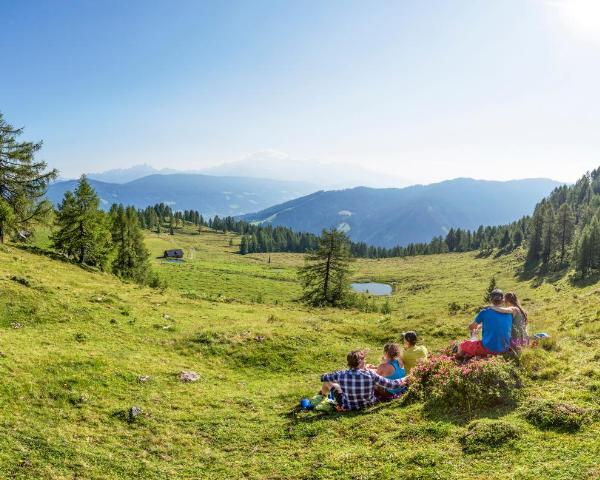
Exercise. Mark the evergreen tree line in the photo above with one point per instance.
(565, 228)
(161, 216)
(268, 238)
(111, 241)
(261, 239)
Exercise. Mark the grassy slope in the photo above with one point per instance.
(70, 372)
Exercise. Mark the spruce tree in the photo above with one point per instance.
(131, 256)
(565, 226)
(548, 234)
(325, 275)
(491, 287)
(536, 229)
(23, 182)
(82, 228)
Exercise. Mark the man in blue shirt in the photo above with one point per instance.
(496, 331)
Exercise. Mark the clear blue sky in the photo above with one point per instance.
(425, 89)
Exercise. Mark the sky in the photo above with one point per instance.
(419, 90)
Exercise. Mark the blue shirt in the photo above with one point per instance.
(399, 372)
(496, 329)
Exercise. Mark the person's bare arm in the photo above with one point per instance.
(510, 310)
(384, 370)
(474, 326)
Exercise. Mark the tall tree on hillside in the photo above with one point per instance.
(23, 182)
(82, 228)
(536, 228)
(548, 234)
(325, 275)
(565, 227)
(131, 255)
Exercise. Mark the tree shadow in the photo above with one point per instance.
(540, 275)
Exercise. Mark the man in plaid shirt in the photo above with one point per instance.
(355, 388)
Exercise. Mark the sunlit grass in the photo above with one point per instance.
(75, 342)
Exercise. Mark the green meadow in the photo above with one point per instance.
(75, 343)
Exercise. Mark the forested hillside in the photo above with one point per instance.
(398, 217)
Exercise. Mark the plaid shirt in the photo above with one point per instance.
(358, 386)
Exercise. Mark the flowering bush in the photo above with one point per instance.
(443, 383)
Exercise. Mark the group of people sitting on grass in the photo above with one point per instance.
(504, 324)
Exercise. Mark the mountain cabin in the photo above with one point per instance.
(175, 253)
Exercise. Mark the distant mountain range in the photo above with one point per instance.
(210, 195)
(273, 165)
(392, 216)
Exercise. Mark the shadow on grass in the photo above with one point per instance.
(428, 413)
(296, 415)
(52, 255)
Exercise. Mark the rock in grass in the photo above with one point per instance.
(551, 415)
(133, 413)
(485, 434)
(143, 378)
(190, 376)
(16, 325)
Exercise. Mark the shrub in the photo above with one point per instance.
(551, 415)
(538, 364)
(386, 308)
(445, 384)
(485, 433)
(21, 280)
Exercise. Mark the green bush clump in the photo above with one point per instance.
(485, 433)
(538, 364)
(444, 384)
(551, 415)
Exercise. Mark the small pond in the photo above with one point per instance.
(372, 288)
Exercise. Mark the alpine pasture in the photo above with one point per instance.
(80, 349)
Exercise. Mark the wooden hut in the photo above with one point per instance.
(175, 253)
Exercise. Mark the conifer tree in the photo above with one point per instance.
(325, 275)
(565, 226)
(23, 182)
(131, 256)
(82, 228)
(491, 287)
(548, 234)
(535, 235)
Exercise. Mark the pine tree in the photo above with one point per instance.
(82, 228)
(131, 256)
(536, 229)
(325, 275)
(23, 182)
(244, 245)
(583, 252)
(565, 227)
(491, 287)
(505, 242)
(548, 234)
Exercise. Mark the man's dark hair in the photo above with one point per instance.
(354, 358)
(410, 337)
(496, 296)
